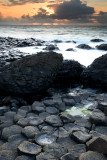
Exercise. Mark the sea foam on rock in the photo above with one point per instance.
(30, 74)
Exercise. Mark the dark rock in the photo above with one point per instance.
(55, 150)
(80, 136)
(68, 41)
(83, 123)
(30, 74)
(77, 150)
(44, 139)
(18, 138)
(52, 110)
(25, 157)
(92, 155)
(84, 46)
(24, 44)
(98, 118)
(7, 155)
(30, 131)
(98, 144)
(62, 132)
(35, 121)
(51, 47)
(26, 108)
(70, 49)
(43, 115)
(6, 124)
(102, 105)
(12, 130)
(1, 142)
(77, 128)
(38, 107)
(95, 134)
(69, 74)
(95, 75)
(27, 147)
(54, 120)
(48, 129)
(10, 115)
(13, 142)
(69, 102)
(69, 126)
(57, 41)
(55, 103)
(4, 109)
(31, 115)
(67, 156)
(66, 142)
(101, 129)
(97, 40)
(105, 111)
(23, 122)
(45, 156)
(102, 47)
(67, 118)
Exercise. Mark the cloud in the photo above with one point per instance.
(20, 2)
(73, 9)
(102, 18)
(68, 12)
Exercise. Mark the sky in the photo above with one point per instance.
(53, 12)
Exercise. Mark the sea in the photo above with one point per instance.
(66, 34)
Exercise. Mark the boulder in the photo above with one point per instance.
(31, 74)
(97, 117)
(69, 74)
(54, 120)
(55, 150)
(45, 156)
(95, 75)
(9, 131)
(7, 155)
(70, 49)
(77, 150)
(51, 47)
(98, 144)
(97, 40)
(81, 137)
(84, 46)
(27, 147)
(92, 155)
(102, 47)
(102, 106)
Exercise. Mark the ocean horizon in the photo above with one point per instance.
(68, 36)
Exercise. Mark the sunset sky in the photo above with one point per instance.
(50, 12)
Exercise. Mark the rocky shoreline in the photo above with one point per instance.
(41, 128)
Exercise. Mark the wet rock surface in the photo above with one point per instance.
(97, 40)
(96, 74)
(45, 134)
(84, 46)
(42, 129)
(102, 47)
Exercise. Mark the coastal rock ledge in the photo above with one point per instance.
(95, 75)
(31, 74)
